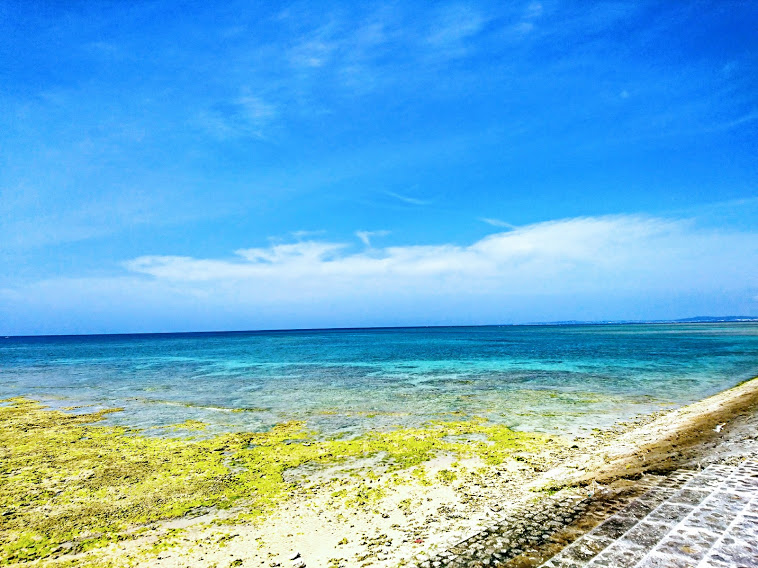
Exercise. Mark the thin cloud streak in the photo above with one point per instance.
(243, 116)
(497, 223)
(408, 199)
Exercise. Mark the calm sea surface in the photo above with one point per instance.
(562, 379)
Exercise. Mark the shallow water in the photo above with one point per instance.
(560, 379)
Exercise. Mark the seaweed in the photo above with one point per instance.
(72, 484)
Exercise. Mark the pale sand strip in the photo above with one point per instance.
(709, 430)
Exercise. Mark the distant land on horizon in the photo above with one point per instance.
(696, 319)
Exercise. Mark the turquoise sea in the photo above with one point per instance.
(561, 379)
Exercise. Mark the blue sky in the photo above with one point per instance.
(180, 166)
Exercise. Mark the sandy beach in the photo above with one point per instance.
(370, 507)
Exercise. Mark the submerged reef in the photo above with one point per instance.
(72, 484)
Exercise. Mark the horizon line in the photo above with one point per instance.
(560, 323)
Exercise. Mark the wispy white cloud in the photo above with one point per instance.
(24, 226)
(312, 53)
(354, 51)
(245, 115)
(627, 252)
(454, 26)
(533, 10)
(527, 22)
(497, 223)
(408, 199)
(739, 121)
(365, 236)
(303, 252)
(342, 42)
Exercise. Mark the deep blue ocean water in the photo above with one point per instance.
(562, 379)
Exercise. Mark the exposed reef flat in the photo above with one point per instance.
(77, 493)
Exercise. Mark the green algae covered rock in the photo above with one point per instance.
(70, 483)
